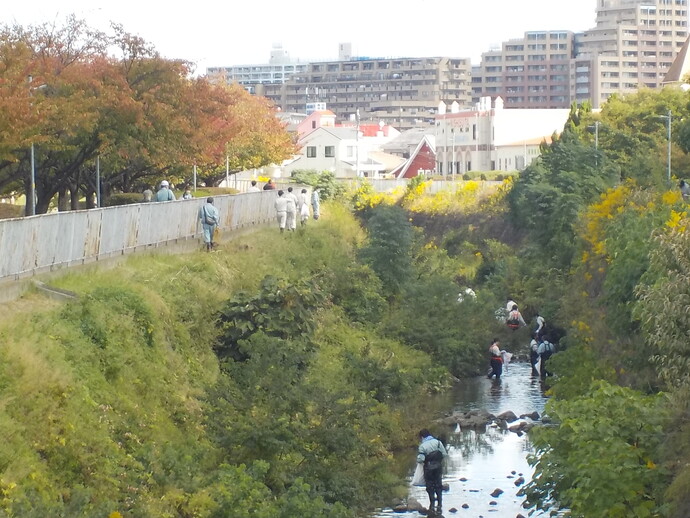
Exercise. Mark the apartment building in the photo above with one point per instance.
(632, 46)
(529, 72)
(404, 92)
(279, 68)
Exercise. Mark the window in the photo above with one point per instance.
(311, 151)
(330, 151)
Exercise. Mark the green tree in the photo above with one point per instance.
(329, 188)
(389, 252)
(549, 195)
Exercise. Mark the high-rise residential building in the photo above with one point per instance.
(404, 92)
(632, 46)
(529, 72)
(279, 68)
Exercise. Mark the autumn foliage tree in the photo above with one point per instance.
(79, 95)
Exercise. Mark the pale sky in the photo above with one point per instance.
(212, 33)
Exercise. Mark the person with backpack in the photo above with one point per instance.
(431, 453)
(545, 350)
(515, 320)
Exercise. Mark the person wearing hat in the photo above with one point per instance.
(164, 193)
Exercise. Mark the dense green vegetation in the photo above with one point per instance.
(596, 240)
(266, 379)
(255, 381)
(603, 255)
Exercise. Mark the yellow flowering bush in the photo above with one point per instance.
(364, 197)
(675, 220)
(598, 215)
(468, 197)
(416, 189)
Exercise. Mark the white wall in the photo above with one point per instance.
(41, 243)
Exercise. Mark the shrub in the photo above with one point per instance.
(123, 198)
(8, 210)
(466, 177)
(482, 177)
(214, 191)
(574, 460)
(329, 188)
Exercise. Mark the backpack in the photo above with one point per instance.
(434, 459)
(513, 320)
(208, 219)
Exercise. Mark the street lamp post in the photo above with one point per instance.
(31, 198)
(669, 119)
(357, 142)
(668, 158)
(98, 181)
(452, 156)
(32, 188)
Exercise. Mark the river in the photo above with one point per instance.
(480, 462)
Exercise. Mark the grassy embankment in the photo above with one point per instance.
(116, 404)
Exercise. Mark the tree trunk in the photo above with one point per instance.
(62, 199)
(74, 197)
(42, 200)
(90, 199)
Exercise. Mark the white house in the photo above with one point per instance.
(344, 151)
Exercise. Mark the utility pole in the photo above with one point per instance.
(98, 181)
(357, 142)
(452, 156)
(668, 122)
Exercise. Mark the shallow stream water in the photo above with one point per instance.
(480, 462)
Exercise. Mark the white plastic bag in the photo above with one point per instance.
(418, 477)
(506, 358)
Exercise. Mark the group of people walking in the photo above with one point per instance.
(288, 205)
(291, 206)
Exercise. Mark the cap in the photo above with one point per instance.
(164, 183)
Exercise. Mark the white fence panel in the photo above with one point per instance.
(33, 244)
